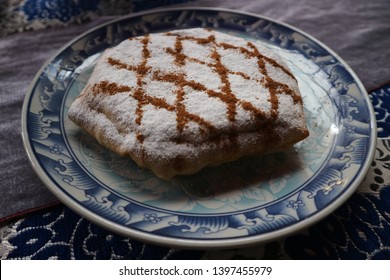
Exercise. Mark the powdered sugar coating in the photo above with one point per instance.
(176, 102)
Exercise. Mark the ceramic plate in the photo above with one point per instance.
(237, 204)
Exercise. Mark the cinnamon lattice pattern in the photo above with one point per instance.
(225, 94)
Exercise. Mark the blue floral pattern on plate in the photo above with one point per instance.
(251, 200)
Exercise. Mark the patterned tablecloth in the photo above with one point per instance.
(359, 229)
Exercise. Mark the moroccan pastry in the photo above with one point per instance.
(179, 101)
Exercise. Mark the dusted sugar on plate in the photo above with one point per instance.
(176, 102)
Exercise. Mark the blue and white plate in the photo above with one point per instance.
(237, 204)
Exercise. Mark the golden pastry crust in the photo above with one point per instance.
(176, 102)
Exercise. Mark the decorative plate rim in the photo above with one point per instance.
(190, 242)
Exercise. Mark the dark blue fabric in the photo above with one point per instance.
(62, 234)
(27, 15)
(62, 10)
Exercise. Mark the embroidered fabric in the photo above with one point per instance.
(25, 15)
